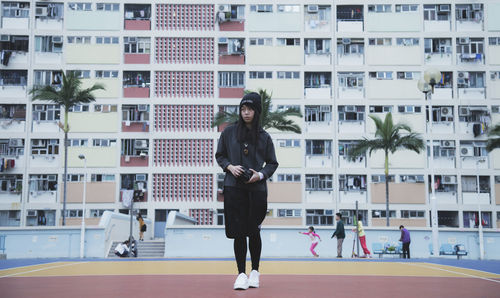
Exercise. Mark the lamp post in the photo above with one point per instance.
(480, 225)
(82, 232)
(426, 85)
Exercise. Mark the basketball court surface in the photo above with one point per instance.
(280, 278)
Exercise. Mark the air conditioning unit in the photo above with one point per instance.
(463, 111)
(444, 8)
(350, 108)
(346, 41)
(446, 111)
(448, 144)
(32, 213)
(140, 177)
(476, 6)
(57, 39)
(463, 75)
(142, 108)
(132, 39)
(442, 41)
(467, 151)
(449, 179)
(143, 154)
(52, 177)
(493, 75)
(325, 108)
(41, 11)
(141, 144)
(16, 143)
(312, 8)
(225, 8)
(222, 40)
(463, 40)
(37, 143)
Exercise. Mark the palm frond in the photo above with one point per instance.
(224, 117)
(364, 147)
(411, 142)
(492, 144)
(495, 131)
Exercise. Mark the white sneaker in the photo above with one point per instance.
(253, 280)
(241, 282)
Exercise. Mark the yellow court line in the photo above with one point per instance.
(463, 271)
(18, 271)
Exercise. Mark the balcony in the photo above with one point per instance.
(12, 118)
(494, 85)
(350, 18)
(48, 50)
(134, 153)
(400, 89)
(437, 18)
(319, 161)
(350, 51)
(474, 120)
(442, 127)
(318, 85)
(351, 127)
(11, 193)
(13, 83)
(262, 18)
(404, 159)
(441, 92)
(136, 84)
(231, 51)
(139, 196)
(400, 54)
(231, 17)
(469, 17)
(15, 15)
(473, 198)
(468, 59)
(317, 18)
(42, 197)
(229, 92)
(136, 118)
(344, 160)
(406, 19)
(49, 16)
(137, 17)
(14, 51)
(137, 50)
(353, 196)
(351, 85)
(473, 162)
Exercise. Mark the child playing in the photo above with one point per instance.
(314, 238)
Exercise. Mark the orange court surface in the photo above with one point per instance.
(280, 278)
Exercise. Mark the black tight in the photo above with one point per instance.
(240, 252)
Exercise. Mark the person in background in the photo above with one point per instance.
(121, 249)
(362, 237)
(142, 227)
(314, 239)
(406, 240)
(339, 233)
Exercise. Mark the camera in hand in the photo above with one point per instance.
(245, 176)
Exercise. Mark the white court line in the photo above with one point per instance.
(451, 271)
(40, 269)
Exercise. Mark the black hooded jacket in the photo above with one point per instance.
(229, 151)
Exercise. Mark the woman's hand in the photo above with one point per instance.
(255, 177)
(235, 170)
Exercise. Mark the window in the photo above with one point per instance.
(103, 142)
(288, 41)
(261, 41)
(47, 78)
(471, 219)
(476, 149)
(411, 178)
(470, 80)
(444, 183)
(288, 8)
(261, 8)
(380, 109)
(493, 41)
(437, 12)
(81, 74)
(407, 41)
(74, 178)
(469, 184)
(48, 44)
(108, 6)
(289, 143)
(46, 113)
(220, 217)
(469, 12)
(319, 147)
(289, 213)
(78, 142)
(380, 75)
(288, 75)
(75, 213)
(137, 45)
(231, 79)
(261, 75)
(348, 216)
(412, 214)
(11, 147)
(102, 177)
(43, 183)
(106, 74)
(408, 75)
(381, 178)
(319, 217)
(352, 182)
(406, 7)
(96, 213)
(317, 46)
(437, 45)
(380, 41)
(79, 108)
(283, 108)
(15, 9)
(98, 108)
(383, 213)
(87, 6)
(318, 80)
(379, 8)
(345, 147)
(409, 109)
(351, 80)
(288, 177)
(79, 39)
(106, 40)
(351, 113)
(318, 113)
(11, 183)
(443, 149)
(319, 183)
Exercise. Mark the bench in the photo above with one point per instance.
(447, 249)
(380, 249)
(2, 246)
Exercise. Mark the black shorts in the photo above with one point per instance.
(244, 211)
(143, 228)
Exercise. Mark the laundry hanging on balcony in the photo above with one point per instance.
(6, 164)
(5, 57)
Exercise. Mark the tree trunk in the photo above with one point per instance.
(65, 165)
(387, 187)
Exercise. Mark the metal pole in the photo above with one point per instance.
(480, 226)
(82, 232)
(131, 221)
(357, 229)
(434, 213)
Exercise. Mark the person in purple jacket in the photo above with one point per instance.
(405, 238)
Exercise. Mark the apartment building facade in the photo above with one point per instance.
(168, 67)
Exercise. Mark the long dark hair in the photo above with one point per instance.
(243, 134)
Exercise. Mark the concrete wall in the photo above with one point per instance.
(97, 157)
(404, 159)
(280, 88)
(97, 192)
(273, 21)
(284, 192)
(113, 87)
(282, 221)
(286, 242)
(275, 55)
(393, 55)
(407, 222)
(289, 157)
(394, 22)
(399, 193)
(93, 53)
(93, 122)
(497, 194)
(93, 20)
(493, 11)
(400, 89)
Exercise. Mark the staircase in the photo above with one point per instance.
(146, 249)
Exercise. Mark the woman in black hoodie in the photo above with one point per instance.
(243, 149)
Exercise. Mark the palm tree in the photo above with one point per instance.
(268, 118)
(494, 138)
(389, 138)
(67, 96)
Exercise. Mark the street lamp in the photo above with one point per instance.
(480, 225)
(82, 232)
(431, 77)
